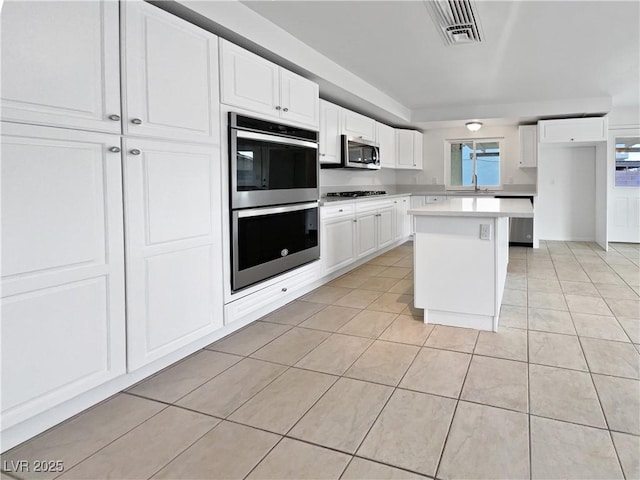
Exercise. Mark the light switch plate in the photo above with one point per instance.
(485, 231)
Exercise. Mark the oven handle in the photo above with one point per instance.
(275, 139)
(256, 212)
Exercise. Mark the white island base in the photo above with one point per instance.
(461, 252)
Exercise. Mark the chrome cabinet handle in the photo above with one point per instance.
(323, 154)
(284, 289)
(134, 151)
(114, 117)
(285, 109)
(136, 121)
(340, 210)
(355, 221)
(114, 149)
(278, 107)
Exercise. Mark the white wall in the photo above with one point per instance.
(434, 154)
(566, 202)
(337, 177)
(624, 117)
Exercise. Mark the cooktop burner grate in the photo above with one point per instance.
(357, 193)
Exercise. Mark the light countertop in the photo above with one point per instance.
(477, 207)
(450, 193)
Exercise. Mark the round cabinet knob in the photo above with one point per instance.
(114, 149)
(355, 221)
(285, 109)
(572, 139)
(340, 210)
(323, 154)
(278, 107)
(134, 151)
(136, 121)
(284, 289)
(114, 117)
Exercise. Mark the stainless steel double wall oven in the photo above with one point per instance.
(274, 195)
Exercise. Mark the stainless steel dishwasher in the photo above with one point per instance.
(520, 229)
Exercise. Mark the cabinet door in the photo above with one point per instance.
(404, 149)
(366, 233)
(572, 130)
(387, 140)
(338, 249)
(528, 145)
(356, 125)
(60, 64)
(329, 133)
(171, 81)
(402, 221)
(63, 323)
(417, 150)
(248, 81)
(299, 99)
(173, 237)
(385, 220)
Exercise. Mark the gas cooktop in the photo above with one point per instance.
(357, 193)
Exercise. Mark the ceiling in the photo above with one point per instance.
(534, 52)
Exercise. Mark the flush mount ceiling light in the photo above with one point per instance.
(474, 126)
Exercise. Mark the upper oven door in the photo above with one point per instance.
(271, 170)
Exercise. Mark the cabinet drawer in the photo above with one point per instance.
(373, 205)
(271, 297)
(334, 211)
(435, 199)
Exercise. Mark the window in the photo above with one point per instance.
(472, 162)
(628, 162)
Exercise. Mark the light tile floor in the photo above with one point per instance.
(348, 382)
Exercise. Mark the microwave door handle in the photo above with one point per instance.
(376, 156)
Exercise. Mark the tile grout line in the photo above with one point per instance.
(455, 410)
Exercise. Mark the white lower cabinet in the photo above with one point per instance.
(173, 235)
(338, 240)
(402, 218)
(366, 233)
(375, 226)
(63, 315)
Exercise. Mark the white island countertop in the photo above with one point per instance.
(477, 207)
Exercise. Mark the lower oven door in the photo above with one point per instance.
(270, 241)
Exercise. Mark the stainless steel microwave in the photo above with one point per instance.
(360, 153)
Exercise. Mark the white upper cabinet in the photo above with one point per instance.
(573, 130)
(299, 99)
(387, 141)
(60, 64)
(251, 82)
(329, 132)
(528, 145)
(409, 149)
(171, 76)
(63, 316)
(359, 126)
(173, 239)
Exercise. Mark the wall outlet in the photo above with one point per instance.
(485, 231)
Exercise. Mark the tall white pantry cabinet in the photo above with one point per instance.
(86, 185)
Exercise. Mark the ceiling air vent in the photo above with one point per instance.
(457, 20)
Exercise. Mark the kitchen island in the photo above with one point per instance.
(461, 252)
